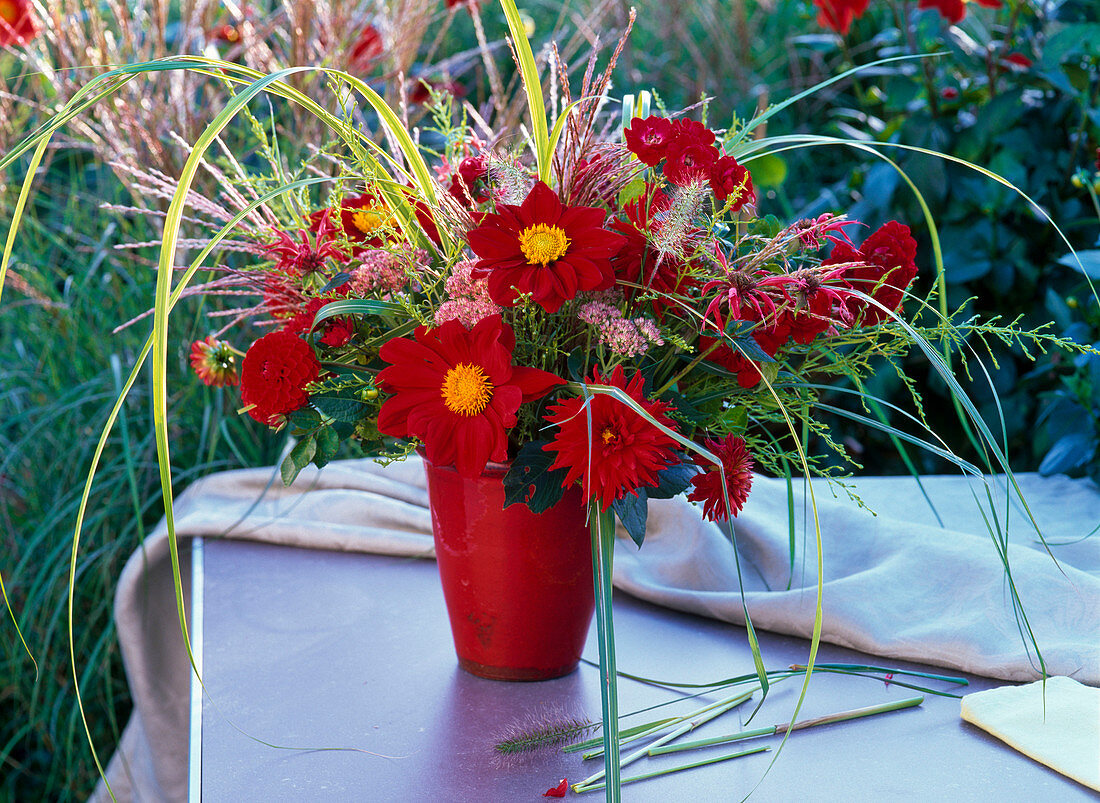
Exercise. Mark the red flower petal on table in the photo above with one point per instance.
(736, 465)
(727, 178)
(18, 25)
(838, 15)
(457, 391)
(544, 248)
(276, 370)
(883, 267)
(649, 139)
(214, 362)
(559, 790)
(622, 453)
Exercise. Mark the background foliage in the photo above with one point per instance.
(1035, 124)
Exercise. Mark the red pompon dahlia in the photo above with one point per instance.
(737, 467)
(544, 248)
(276, 370)
(649, 139)
(457, 391)
(18, 24)
(883, 267)
(728, 178)
(622, 452)
(214, 363)
(839, 14)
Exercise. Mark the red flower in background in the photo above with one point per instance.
(954, 10)
(690, 161)
(737, 467)
(276, 370)
(883, 267)
(839, 14)
(214, 363)
(622, 452)
(457, 391)
(18, 24)
(366, 50)
(544, 248)
(649, 139)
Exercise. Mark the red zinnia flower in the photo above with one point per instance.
(883, 268)
(276, 370)
(727, 178)
(17, 22)
(736, 465)
(213, 361)
(839, 14)
(544, 248)
(457, 391)
(622, 452)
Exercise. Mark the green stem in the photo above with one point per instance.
(692, 765)
(602, 528)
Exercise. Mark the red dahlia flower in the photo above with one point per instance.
(276, 370)
(882, 267)
(544, 248)
(736, 465)
(457, 391)
(17, 22)
(364, 219)
(622, 452)
(839, 14)
(214, 363)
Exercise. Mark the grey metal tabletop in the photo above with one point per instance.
(306, 650)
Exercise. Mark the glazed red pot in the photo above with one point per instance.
(518, 585)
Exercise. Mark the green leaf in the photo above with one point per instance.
(632, 512)
(1069, 453)
(768, 170)
(1089, 265)
(530, 480)
(338, 408)
(304, 419)
(327, 444)
(633, 189)
(672, 481)
(299, 457)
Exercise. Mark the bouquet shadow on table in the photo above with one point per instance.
(591, 301)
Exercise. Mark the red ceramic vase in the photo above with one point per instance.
(518, 585)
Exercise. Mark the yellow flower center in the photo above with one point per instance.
(369, 219)
(608, 436)
(466, 389)
(8, 11)
(542, 244)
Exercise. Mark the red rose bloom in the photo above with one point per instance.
(692, 132)
(274, 376)
(727, 178)
(622, 452)
(883, 268)
(17, 23)
(737, 467)
(690, 162)
(839, 14)
(649, 139)
(457, 391)
(544, 248)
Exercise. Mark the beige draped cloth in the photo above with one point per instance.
(899, 584)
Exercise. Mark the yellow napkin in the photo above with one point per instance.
(1067, 739)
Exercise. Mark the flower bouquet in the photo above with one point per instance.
(592, 313)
